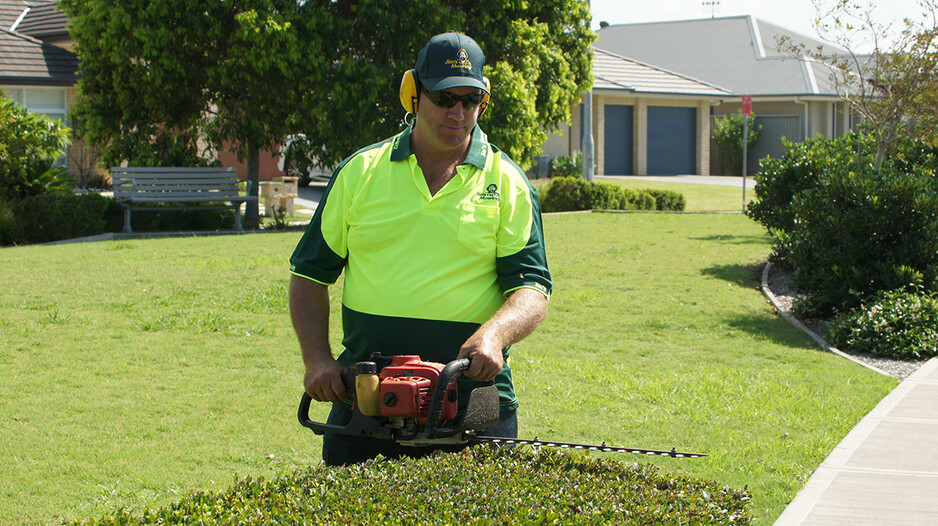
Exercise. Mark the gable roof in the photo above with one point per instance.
(739, 53)
(10, 11)
(43, 21)
(615, 72)
(26, 60)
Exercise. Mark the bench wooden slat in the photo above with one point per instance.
(185, 186)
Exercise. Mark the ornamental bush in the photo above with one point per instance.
(565, 194)
(898, 324)
(564, 166)
(477, 486)
(864, 232)
(801, 168)
(28, 142)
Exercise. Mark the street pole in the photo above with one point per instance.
(745, 140)
(587, 146)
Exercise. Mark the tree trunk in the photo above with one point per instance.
(251, 215)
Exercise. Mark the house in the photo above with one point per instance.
(791, 97)
(646, 120)
(39, 70)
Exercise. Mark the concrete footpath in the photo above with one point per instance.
(885, 471)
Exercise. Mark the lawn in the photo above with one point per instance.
(137, 371)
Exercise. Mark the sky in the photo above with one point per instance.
(796, 15)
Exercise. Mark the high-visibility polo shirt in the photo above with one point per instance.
(423, 272)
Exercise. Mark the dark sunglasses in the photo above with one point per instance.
(445, 99)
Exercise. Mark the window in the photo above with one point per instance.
(48, 101)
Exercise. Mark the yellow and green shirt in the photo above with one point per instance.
(423, 272)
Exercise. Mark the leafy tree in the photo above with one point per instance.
(537, 57)
(163, 81)
(894, 87)
(728, 134)
(29, 143)
(160, 76)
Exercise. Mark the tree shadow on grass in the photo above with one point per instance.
(736, 239)
(741, 275)
(775, 329)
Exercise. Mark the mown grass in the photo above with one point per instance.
(137, 371)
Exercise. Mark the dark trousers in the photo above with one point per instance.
(338, 450)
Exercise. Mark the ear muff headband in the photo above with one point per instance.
(410, 92)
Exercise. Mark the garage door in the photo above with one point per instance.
(617, 146)
(672, 140)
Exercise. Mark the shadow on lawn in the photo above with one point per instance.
(740, 275)
(736, 239)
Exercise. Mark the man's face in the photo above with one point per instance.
(447, 128)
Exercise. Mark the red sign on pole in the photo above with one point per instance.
(747, 104)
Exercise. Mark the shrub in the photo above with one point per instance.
(51, 217)
(668, 200)
(566, 194)
(477, 486)
(728, 134)
(27, 140)
(800, 169)
(564, 166)
(167, 217)
(9, 226)
(860, 233)
(898, 324)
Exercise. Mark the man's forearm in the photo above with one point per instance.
(522, 312)
(309, 312)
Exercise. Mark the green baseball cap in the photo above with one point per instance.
(451, 60)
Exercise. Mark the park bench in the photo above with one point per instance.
(194, 188)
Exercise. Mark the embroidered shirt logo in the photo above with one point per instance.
(490, 193)
(462, 60)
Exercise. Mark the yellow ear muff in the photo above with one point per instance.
(408, 94)
(486, 97)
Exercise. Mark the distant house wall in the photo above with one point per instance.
(567, 142)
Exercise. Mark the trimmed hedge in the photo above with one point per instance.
(476, 486)
(53, 217)
(565, 194)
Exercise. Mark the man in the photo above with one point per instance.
(440, 237)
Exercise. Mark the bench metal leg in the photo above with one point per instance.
(127, 229)
(237, 225)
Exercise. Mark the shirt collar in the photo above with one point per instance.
(479, 148)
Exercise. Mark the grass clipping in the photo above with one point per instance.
(477, 486)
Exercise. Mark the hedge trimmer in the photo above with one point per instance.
(414, 403)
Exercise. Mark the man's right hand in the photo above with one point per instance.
(309, 311)
(323, 381)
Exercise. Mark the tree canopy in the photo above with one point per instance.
(162, 81)
(893, 85)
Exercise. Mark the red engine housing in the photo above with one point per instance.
(407, 386)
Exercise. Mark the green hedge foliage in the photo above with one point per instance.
(846, 230)
(565, 194)
(802, 168)
(477, 486)
(54, 217)
(898, 324)
(564, 166)
(861, 233)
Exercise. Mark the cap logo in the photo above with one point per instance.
(462, 60)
